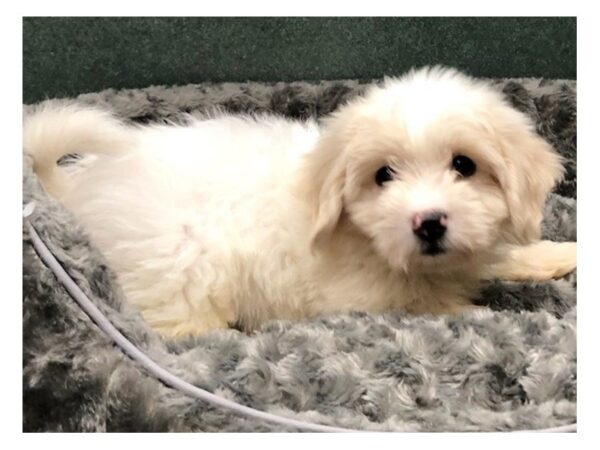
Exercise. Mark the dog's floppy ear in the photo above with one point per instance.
(325, 179)
(531, 170)
(322, 184)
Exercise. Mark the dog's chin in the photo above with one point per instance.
(437, 258)
(433, 249)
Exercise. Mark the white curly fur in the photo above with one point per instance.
(244, 219)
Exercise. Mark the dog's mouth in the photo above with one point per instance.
(432, 249)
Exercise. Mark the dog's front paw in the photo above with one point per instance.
(540, 261)
(562, 259)
(546, 260)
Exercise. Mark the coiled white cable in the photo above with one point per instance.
(161, 373)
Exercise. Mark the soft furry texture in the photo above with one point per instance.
(244, 219)
(486, 370)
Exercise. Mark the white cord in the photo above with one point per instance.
(159, 372)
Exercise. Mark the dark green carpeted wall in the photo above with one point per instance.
(68, 56)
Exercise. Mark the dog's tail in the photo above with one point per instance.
(54, 129)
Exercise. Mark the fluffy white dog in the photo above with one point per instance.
(405, 198)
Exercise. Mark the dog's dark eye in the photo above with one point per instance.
(463, 165)
(385, 173)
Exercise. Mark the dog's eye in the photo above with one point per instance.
(463, 165)
(384, 174)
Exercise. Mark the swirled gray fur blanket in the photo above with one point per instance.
(509, 367)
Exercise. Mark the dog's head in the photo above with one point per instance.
(434, 168)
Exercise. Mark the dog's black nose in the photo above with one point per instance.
(430, 227)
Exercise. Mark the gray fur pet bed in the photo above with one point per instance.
(509, 367)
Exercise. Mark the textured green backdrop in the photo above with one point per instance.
(67, 56)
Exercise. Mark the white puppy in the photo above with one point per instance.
(403, 199)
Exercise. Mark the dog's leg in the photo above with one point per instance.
(183, 316)
(540, 261)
